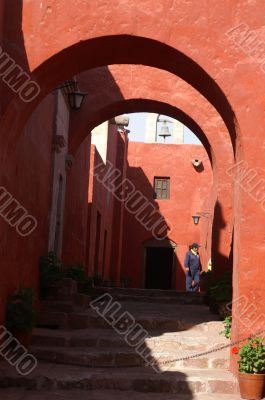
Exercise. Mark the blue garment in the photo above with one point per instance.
(195, 277)
(192, 262)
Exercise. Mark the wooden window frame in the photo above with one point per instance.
(155, 188)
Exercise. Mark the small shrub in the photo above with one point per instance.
(227, 327)
(252, 356)
(221, 291)
(97, 279)
(76, 272)
(20, 314)
(126, 282)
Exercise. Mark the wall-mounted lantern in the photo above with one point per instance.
(196, 219)
(75, 96)
(196, 162)
(198, 215)
(76, 100)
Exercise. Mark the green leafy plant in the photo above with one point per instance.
(76, 272)
(97, 279)
(227, 327)
(108, 283)
(206, 280)
(252, 356)
(51, 272)
(221, 291)
(126, 282)
(206, 274)
(20, 314)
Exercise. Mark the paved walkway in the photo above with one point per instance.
(17, 394)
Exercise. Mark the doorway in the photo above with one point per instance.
(159, 267)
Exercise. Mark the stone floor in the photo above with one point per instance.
(84, 357)
(21, 394)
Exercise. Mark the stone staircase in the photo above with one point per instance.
(78, 351)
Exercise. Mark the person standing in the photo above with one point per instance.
(193, 268)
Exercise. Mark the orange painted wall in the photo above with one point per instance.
(102, 201)
(76, 208)
(31, 187)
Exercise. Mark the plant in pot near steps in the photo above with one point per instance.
(78, 274)
(251, 368)
(21, 315)
(220, 295)
(227, 322)
(205, 280)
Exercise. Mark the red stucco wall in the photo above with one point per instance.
(33, 156)
(102, 200)
(76, 208)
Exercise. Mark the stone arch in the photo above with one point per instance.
(221, 189)
(50, 33)
(151, 129)
(209, 127)
(142, 51)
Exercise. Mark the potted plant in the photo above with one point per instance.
(205, 280)
(227, 322)
(20, 315)
(220, 294)
(97, 279)
(251, 368)
(78, 274)
(108, 283)
(126, 282)
(51, 274)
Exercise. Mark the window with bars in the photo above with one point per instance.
(161, 187)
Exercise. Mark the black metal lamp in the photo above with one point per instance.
(196, 219)
(75, 97)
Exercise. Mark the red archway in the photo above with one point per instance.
(55, 42)
(171, 95)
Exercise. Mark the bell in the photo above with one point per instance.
(164, 132)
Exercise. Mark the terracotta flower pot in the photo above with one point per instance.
(251, 386)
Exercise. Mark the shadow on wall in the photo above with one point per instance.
(124, 225)
(221, 264)
(144, 220)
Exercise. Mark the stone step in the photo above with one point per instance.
(76, 301)
(145, 292)
(156, 296)
(58, 306)
(103, 338)
(139, 379)
(128, 357)
(22, 394)
(183, 300)
(160, 322)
